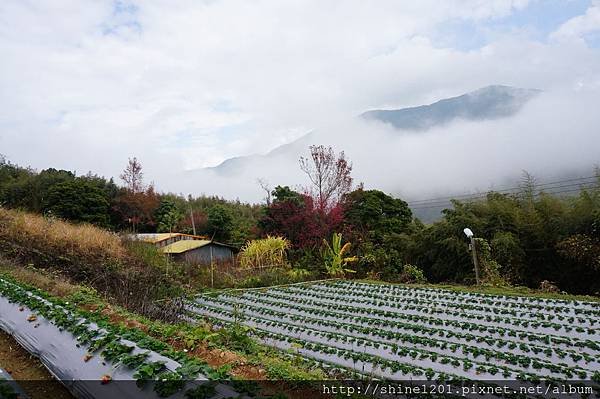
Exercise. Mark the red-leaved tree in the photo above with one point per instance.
(135, 203)
(300, 221)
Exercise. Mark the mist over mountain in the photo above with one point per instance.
(231, 166)
(471, 143)
(490, 102)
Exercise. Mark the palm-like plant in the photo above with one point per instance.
(334, 256)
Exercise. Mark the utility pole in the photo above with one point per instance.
(471, 237)
(212, 267)
(475, 260)
(192, 217)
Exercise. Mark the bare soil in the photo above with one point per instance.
(29, 372)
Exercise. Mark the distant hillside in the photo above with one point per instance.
(232, 166)
(237, 177)
(490, 102)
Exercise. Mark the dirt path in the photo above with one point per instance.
(29, 372)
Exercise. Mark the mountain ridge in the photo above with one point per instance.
(489, 102)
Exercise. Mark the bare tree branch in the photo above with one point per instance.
(132, 176)
(264, 184)
(328, 173)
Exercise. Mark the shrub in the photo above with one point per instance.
(334, 256)
(412, 274)
(270, 251)
(489, 268)
(548, 287)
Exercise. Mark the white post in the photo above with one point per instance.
(471, 237)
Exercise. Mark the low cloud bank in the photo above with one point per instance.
(554, 135)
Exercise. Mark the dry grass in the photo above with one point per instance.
(132, 276)
(71, 238)
(270, 251)
(53, 283)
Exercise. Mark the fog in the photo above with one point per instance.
(553, 135)
(85, 85)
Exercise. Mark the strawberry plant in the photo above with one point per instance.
(388, 330)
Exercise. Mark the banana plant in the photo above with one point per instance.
(334, 256)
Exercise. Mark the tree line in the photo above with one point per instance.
(526, 238)
(131, 206)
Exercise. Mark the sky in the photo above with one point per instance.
(184, 85)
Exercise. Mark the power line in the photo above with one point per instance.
(503, 190)
(482, 197)
(443, 205)
(506, 190)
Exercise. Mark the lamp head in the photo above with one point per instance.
(468, 232)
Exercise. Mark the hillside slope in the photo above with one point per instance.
(490, 102)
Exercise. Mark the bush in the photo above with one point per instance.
(412, 274)
(548, 287)
(270, 251)
(489, 269)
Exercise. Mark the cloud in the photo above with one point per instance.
(578, 26)
(551, 137)
(187, 84)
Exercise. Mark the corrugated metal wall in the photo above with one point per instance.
(202, 255)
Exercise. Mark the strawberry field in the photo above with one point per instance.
(94, 358)
(400, 333)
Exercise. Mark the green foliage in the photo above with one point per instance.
(78, 200)
(283, 194)
(380, 225)
(114, 350)
(148, 254)
(134, 361)
(532, 236)
(220, 222)
(100, 201)
(532, 239)
(85, 296)
(236, 336)
(334, 256)
(168, 383)
(148, 372)
(204, 391)
(412, 274)
(30, 191)
(167, 216)
(489, 268)
(375, 214)
(271, 277)
(506, 250)
(581, 248)
(196, 336)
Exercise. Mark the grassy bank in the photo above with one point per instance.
(132, 274)
(229, 352)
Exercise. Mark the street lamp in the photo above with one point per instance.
(472, 246)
